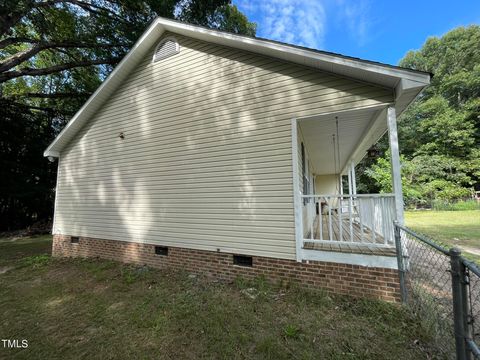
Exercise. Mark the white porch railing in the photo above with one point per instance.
(350, 219)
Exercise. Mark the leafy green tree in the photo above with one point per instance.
(440, 133)
(62, 49)
(53, 55)
(26, 181)
(382, 174)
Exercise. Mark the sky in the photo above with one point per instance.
(374, 30)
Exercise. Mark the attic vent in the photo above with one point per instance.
(167, 47)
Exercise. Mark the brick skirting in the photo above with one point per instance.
(354, 280)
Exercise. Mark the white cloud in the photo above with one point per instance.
(306, 22)
(355, 15)
(292, 21)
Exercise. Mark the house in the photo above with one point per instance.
(227, 155)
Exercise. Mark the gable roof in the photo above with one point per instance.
(406, 83)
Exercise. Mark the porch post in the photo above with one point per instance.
(349, 181)
(354, 180)
(395, 163)
(297, 200)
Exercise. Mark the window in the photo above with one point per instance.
(167, 47)
(74, 239)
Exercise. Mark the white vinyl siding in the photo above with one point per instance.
(205, 162)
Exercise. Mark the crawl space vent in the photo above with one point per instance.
(161, 250)
(165, 49)
(242, 260)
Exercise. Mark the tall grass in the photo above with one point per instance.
(456, 206)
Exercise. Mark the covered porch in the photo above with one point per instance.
(359, 224)
(331, 218)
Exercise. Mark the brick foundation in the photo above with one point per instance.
(354, 280)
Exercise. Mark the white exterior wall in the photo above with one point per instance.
(206, 158)
(327, 184)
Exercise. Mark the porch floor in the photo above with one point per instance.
(346, 241)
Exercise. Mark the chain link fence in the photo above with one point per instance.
(442, 289)
(473, 308)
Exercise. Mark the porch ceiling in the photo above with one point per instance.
(357, 131)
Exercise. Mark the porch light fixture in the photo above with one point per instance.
(373, 152)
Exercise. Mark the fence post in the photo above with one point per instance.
(460, 304)
(401, 266)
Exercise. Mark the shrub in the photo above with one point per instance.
(36, 261)
(462, 205)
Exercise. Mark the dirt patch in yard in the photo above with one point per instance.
(4, 269)
(471, 250)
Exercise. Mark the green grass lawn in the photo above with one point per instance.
(73, 308)
(453, 228)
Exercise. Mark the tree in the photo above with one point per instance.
(440, 133)
(27, 181)
(53, 55)
(382, 175)
(78, 42)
